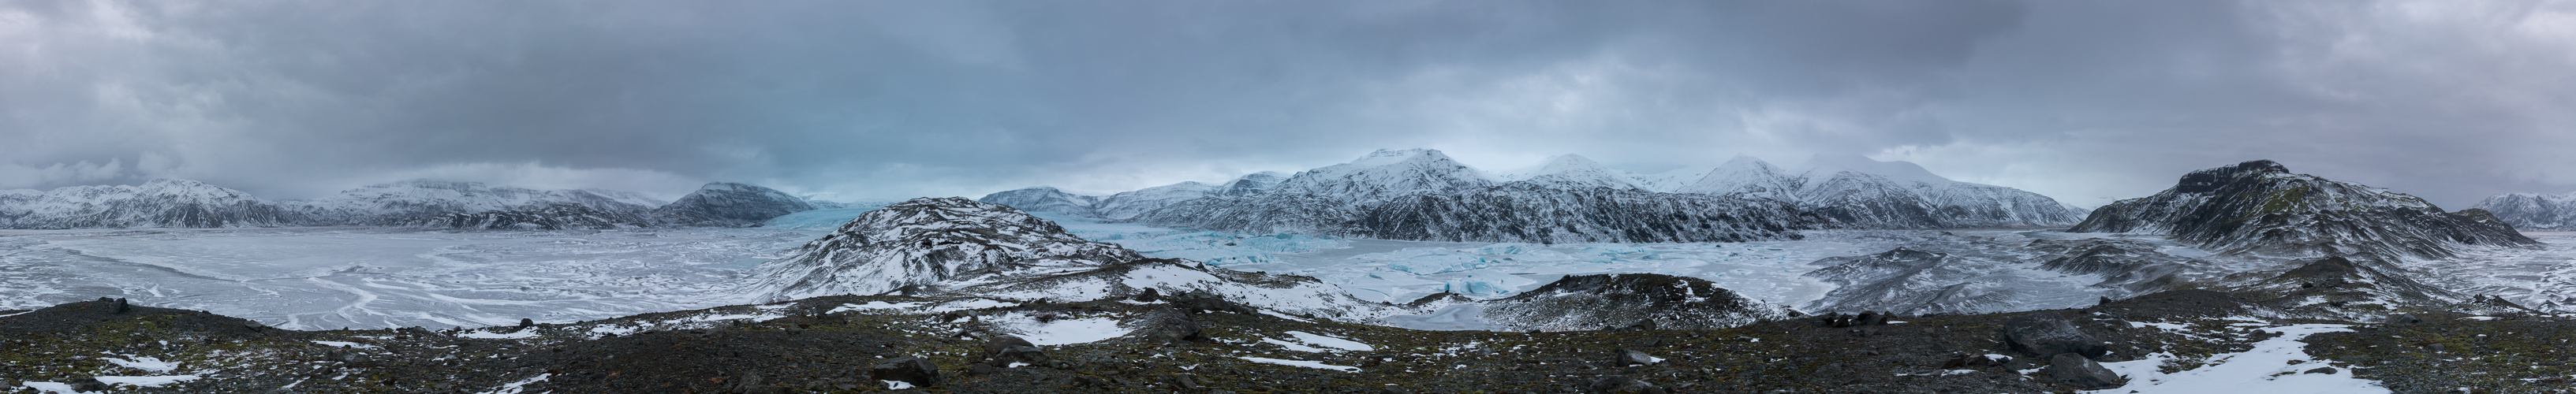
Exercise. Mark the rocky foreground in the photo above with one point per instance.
(1197, 344)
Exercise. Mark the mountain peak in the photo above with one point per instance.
(1392, 156)
(2211, 179)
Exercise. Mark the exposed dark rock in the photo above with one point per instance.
(1976, 360)
(2047, 335)
(907, 369)
(1167, 324)
(1007, 350)
(2080, 372)
(1617, 384)
(87, 384)
(2322, 370)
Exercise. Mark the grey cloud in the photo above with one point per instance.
(885, 99)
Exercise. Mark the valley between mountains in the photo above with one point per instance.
(1403, 271)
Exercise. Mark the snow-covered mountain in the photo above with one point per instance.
(960, 247)
(1386, 174)
(554, 217)
(1860, 192)
(729, 204)
(168, 203)
(412, 201)
(1575, 172)
(1256, 183)
(1127, 205)
(2533, 210)
(2261, 207)
(1422, 194)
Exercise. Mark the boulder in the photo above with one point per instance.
(907, 369)
(87, 385)
(1008, 350)
(2079, 372)
(1627, 357)
(1166, 324)
(2047, 335)
(1615, 384)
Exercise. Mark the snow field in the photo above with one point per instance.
(2274, 366)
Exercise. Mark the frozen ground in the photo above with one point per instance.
(2543, 278)
(317, 278)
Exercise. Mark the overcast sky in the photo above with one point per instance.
(2085, 101)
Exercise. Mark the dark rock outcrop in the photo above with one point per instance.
(2260, 207)
(908, 369)
(2081, 373)
(1650, 301)
(2047, 335)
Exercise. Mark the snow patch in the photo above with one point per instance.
(2267, 368)
(1301, 363)
(143, 363)
(345, 344)
(516, 387)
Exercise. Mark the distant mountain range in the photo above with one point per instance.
(1422, 194)
(173, 203)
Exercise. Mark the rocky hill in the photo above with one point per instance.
(725, 204)
(2260, 207)
(960, 247)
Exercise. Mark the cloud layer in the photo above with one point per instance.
(2084, 101)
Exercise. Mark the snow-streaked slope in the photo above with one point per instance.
(964, 247)
(1046, 199)
(156, 203)
(2532, 210)
(1386, 174)
(2260, 207)
(1129, 204)
(1575, 172)
(1250, 184)
(1422, 194)
(556, 217)
(728, 204)
(1859, 192)
(413, 200)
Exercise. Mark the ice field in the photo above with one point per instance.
(317, 278)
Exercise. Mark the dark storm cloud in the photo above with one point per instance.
(2079, 100)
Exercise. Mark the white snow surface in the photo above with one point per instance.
(1063, 331)
(329, 278)
(2259, 370)
(1330, 342)
(1301, 363)
(143, 363)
